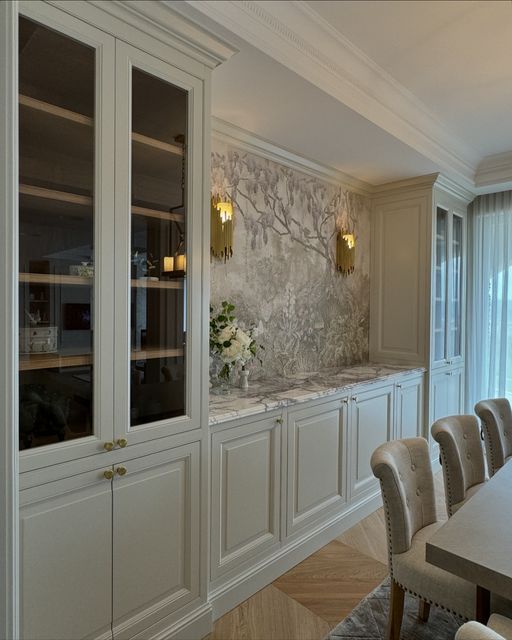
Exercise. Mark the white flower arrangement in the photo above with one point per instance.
(230, 342)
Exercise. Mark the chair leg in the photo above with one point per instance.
(396, 611)
(424, 611)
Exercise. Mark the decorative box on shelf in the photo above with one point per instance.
(38, 339)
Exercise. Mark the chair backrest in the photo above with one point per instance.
(462, 456)
(496, 417)
(405, 473)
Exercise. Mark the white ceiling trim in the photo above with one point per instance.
(247, 141)
(494, 173)
(316, 51)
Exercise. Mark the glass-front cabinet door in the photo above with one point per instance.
(65, 140)
(157, 284)
(440, 284)
(448, 298)
(456, 289)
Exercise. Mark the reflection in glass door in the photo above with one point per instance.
(158, 249)
(56, 245)
(455, 310)
(440, 284)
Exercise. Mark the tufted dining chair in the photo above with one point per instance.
(498, 628)
(405, 473)
(496, 417)
(462, 458)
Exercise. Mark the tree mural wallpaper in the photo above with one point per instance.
(283, 275)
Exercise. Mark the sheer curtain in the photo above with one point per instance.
(489, 323)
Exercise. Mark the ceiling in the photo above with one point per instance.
(455, 56)
(429, 90)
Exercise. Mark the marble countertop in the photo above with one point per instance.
(268, 394)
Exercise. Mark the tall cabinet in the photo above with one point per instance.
(418, 285)
(113, 189)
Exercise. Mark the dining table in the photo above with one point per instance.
(476, 542)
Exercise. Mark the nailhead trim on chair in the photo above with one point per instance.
(448, 488)
(390, 556)
(488, 443)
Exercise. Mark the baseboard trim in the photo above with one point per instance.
(232, 593)
(193, 626)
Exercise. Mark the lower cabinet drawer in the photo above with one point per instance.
(246, 487)
(316, 486)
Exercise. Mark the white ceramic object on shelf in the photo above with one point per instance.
(244, 379)
(38, 339)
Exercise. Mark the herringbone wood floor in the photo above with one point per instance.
(310, 599)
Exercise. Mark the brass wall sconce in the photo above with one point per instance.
(221, 228)
(345, 252)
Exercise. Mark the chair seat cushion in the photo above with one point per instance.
(469, 493)
(501, 625)
(476, 631)
(414, 573)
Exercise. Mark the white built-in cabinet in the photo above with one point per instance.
(418, 286)
(282, 478)
(113, 286)
(316, 463)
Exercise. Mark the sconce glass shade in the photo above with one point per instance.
(350, 240)
(345, 252)
(225, 210)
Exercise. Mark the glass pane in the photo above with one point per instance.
(158, 249)
(456, 292)
(440, 285)
(56, 244)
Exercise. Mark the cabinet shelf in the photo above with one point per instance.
(33, 361)
(56, 279)
(155, 213)
(158, 284)
(80, 119)
(53, 194)
(153, 353)
(79, 199)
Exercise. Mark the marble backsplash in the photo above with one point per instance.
(282, 275)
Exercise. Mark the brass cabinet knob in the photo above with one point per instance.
(121, 471)
(345, 400)
(122, 442)
(108, 446)
(108, 474)
(279, 421)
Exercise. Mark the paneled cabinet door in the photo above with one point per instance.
(156, 537)
(246, 464)
(159, 247)
(316, 463)
(409, 408)
(446, 397)
(66, 559)
(66, 222)
(371, 424)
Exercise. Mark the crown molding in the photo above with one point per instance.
(455, 189)
(299, 38)
(494, 173)
(162, 22)
(243, 139)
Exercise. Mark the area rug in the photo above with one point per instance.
(368, 621)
